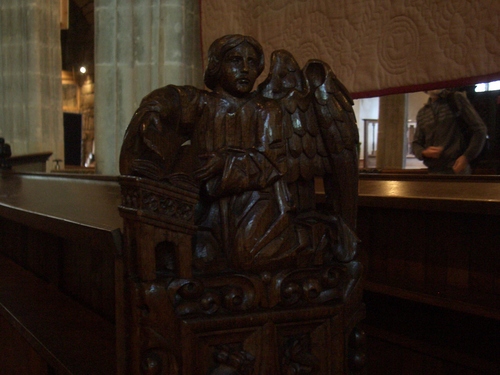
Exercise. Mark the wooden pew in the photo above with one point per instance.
(35, 162)
(433, 239)
(60, 332)
(60, 243)
(61, 268)
(430, 246)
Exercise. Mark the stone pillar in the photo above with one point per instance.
(30, 77)
(140, 46)
(392, 144)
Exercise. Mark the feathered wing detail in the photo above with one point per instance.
(320, 128)
(337, 124)
(286, 83)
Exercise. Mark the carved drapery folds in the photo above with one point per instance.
(231, 266)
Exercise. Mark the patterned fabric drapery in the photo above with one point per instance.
(374, 46)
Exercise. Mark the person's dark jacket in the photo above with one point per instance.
(438, 125)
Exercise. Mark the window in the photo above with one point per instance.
(490, 86)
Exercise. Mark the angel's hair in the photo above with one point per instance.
(218, 50)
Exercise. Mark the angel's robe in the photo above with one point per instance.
(255, 213)
(245, 216)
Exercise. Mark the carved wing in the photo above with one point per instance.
(335, 116)
(320, 128)
(152, 143)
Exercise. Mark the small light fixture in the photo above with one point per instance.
(83, 70)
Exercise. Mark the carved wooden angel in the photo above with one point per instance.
(255, 156)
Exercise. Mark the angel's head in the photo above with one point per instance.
(234, 63)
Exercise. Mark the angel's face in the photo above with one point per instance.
(239, 70)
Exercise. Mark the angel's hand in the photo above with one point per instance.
(214, 164)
